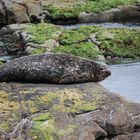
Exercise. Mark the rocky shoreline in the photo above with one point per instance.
(45, 111)
(10, 12)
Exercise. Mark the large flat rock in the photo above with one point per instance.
(66, 112)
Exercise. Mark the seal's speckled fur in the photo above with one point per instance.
(53, 68)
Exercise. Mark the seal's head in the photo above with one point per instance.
(102, 72)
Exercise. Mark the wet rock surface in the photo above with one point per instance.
(72, 112)
(53, 68)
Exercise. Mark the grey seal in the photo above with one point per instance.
(53, 68)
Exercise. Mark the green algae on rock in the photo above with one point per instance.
(61, 12)
(123, 43)
(84, 113)
(41, 32)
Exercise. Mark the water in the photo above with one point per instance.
(106, 25)
(125, 80)
(6, 58)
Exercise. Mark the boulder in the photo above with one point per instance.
(20, 11)
(115, 14)
(65, 112)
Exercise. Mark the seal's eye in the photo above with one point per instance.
(102, 69)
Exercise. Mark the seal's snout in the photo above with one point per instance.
(103, 73)
(106, 72)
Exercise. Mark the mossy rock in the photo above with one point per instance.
(61, 9)
(123, 43)
(84, 49)
(42, 107)
(39, 33)
(60, 112)
(72, 37)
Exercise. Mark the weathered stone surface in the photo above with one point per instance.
(65, 112)
(53, 68)
(122, 13)
(20, 11)
(12, 40)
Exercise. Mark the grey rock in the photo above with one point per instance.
(114, 14)
(53, 68)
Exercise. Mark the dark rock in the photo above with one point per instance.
(53, 68)
(11, 41)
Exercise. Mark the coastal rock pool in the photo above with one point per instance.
(125, 80)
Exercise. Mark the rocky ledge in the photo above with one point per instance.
(66, 112)
(66, 12)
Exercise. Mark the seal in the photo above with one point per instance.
(53, 68)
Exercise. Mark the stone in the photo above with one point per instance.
(121, 137)
(49, 45)
(101, 58)
(11, 11)
(35, 11)
(65, 112)
(94, 40)
(114, 14)
(119, 122)
(53, 68)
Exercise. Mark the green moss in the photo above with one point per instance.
(72, 101)
(41, 32)
(1, 63)
(56, 12)
(95, 6)
(27, 91)
(46, 98)
(6, 106)
(87, 30)
(44, 128)
(84, 49)
(38, 51)
(66, 131)
(71, 37)
(4, 125)
(123, 43)
(42, 117)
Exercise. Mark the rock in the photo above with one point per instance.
(115, 14)
(49, 45)
(2, 15)
(121, 137)
(20, 11)
(94, 40)
(119, 123)
(134, 136)
(53, 68)
(101, 58)
(35, 11)
(66, 112)
(12, 41)
(14, 11)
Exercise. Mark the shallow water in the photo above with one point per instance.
(125, 80)
(6, 58)
(129, 25)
